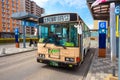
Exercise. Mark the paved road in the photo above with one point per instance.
(24, 67)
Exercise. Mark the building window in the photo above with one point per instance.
(3, 25)
(3, 10)
(12, 4)
(3, 15)
(12, 11)
(8, 30)
(6, 1)
(7, 6)
(17, 1)
(2, 4)
(9, 26)
(7, 11)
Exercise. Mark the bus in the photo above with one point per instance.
(61, 42)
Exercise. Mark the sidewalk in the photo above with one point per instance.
(10, 49)
(101, 67)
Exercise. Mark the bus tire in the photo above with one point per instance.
(77, 66)
(38, 60)
(84, 54)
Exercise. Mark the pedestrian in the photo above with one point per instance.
(35, 43)
(31, 42)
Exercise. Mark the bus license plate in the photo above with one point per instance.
(52, 63)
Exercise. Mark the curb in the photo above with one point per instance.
(17, 53)
(90, 67)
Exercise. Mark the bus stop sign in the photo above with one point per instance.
(117, 9)
(102, 27)
(102, 34)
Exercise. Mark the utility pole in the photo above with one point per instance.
(24, 34)
(119, 52)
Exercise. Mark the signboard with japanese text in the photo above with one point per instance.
(56, 18)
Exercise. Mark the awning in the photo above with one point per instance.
(25, 16)
(100, 11)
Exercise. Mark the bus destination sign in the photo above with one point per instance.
(57, 18)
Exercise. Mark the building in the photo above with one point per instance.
(7, 24)
(8, 7)
(32, 8)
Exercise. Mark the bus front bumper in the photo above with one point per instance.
(57, 63)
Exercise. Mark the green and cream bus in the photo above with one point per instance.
(64, 40)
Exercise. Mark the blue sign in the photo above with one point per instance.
(102, 40)
(16, 35)
(102, 31)
(16, 31)
(117, 9)
(29, 23)
(102, 27)
(102, 34)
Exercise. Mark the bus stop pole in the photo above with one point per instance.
(113, 36)
(38, 32)
(119, 49)
(24, 37)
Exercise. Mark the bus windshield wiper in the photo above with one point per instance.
(61, 45)
(64, 47)
(47, 40)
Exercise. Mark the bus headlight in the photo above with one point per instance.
(42, 55)
(69, 59)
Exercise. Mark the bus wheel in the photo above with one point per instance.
(77, 66)
(84, 54)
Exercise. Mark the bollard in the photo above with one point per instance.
(3, 51)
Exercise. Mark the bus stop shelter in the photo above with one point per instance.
(106, 11)
(26, 18)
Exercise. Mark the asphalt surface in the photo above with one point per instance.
(24, 67)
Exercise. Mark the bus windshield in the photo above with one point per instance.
(60, 34)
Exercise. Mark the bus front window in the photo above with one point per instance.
(59, 34)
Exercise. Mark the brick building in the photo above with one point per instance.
(7, 25)
(8, 7)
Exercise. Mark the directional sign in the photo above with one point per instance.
(117, 9)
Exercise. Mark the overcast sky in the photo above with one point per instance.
(59, 6)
